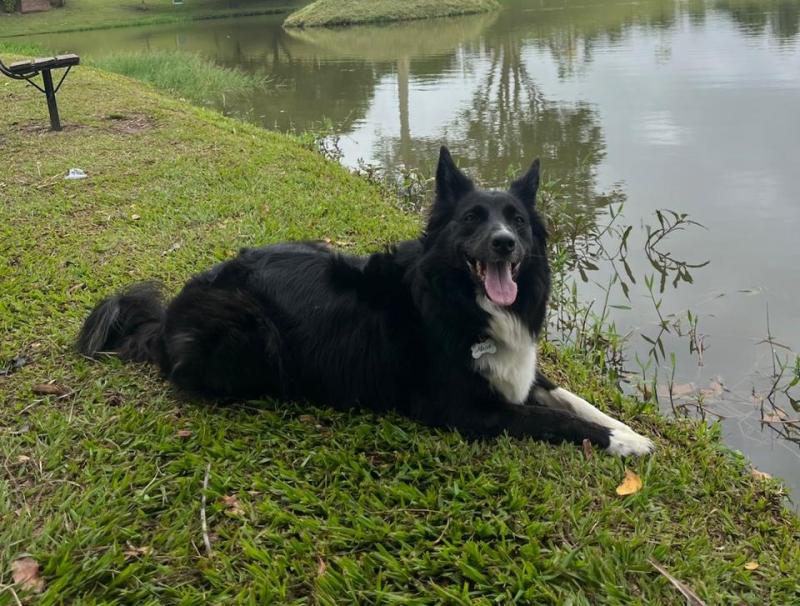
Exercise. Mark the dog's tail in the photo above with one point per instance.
(129, 324)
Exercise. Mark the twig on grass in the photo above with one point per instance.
(441, 536)
(203, 522)
(13, 593)
(692, 599)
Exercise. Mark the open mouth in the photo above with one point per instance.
(498, 279)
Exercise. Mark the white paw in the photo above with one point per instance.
(626, 442)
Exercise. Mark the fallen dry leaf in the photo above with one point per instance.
(715, 388)
(321, 567)
(23, 459)
(49, 389)
(232, 505)
(760, 475)
(587, 448)
(307, 419)
(630, 485)
(778, 416)
(681, 389)
(137, 552)
(751, 566)
(184, 433)
(716, 383)
(25, 573)
(135, 217)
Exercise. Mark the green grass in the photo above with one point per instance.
(78, 15)
(183, 74)
(18, 46)
(352, 12)
(336, 508)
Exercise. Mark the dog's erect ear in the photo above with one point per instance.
(526, 186)
(451, 183)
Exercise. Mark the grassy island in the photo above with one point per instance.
(331, 13)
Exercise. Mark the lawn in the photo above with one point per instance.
(353, 12)
(95, 14)
(102, 481)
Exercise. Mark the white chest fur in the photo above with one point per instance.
(511, 369)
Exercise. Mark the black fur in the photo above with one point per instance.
(392, 331)
(129, 324)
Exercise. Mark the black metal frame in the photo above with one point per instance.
(47, 85)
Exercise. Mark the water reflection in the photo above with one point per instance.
(374, 52)
(590, 23)
(781, 18)
(501, 125)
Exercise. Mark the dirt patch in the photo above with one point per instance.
(130, 124)
(44, 128)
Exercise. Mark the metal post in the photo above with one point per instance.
(55, 122)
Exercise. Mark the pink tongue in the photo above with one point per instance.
(500, 287)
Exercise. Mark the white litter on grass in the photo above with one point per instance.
(76, 173)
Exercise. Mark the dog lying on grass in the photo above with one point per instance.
(442, 328)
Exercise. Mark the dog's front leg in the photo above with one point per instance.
(624, 440)
(543, 423)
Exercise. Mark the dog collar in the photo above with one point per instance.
(487, 346)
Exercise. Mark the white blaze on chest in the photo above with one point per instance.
(511, 369)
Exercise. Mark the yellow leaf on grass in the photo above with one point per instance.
(630, 485)
(49, 389)
(587, 449)
(751, 566)
(137, 552)
(232, 505)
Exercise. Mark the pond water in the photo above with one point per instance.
(691, 106)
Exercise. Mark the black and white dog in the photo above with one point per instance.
(442, 329)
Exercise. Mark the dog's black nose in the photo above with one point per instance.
(503, 243)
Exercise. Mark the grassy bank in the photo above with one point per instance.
(102, 481)
(180, 74)
(78, 15)
(352, 12)
(183, 74)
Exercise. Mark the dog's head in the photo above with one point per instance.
(493, 236)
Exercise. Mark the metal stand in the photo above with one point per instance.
(52, 106)
(28, 70)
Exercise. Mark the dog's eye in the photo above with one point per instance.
(519, 220)
(469, 217)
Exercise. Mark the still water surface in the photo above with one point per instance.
(692, 106)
